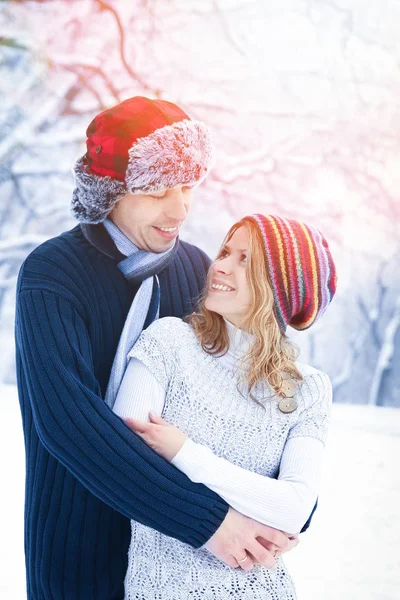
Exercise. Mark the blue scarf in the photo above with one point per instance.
(139, 267)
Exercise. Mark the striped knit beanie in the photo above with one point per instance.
(301, 270)
(139, 146)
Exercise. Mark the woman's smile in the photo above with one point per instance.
(220, 286)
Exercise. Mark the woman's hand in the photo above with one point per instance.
(163, 438)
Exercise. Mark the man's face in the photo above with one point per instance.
(143, 218)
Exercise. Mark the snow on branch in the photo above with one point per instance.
(6, 284)
(355, 345)
(227, 30)
(384, 362)
(22, 241)
(23, 134)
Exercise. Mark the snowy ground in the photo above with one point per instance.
(352, 550)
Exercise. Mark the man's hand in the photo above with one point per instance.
(243, 542)
(293, 541)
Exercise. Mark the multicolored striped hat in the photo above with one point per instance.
(301, 269)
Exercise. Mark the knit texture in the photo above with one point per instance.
(87, 472)
(203, 400)
(301, 270)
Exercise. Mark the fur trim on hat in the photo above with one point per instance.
(178, 154)
(94, 197)
(174, 155)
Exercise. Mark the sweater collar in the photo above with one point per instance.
(98, 237)
(239, 342)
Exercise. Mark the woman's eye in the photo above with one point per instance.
(187, 188)
(244, 257)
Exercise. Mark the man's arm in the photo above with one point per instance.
(76, 427)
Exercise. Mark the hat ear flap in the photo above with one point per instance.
(94, 197)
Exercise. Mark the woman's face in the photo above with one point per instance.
(229, 272)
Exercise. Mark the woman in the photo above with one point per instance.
(241, 416)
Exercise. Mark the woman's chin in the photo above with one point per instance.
(212, 306)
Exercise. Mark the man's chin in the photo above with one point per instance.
(160, 248)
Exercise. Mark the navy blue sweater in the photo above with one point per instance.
(87, 473)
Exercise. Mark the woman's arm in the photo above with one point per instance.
(285, 503)
(139, 393)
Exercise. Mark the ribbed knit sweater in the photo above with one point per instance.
(87, 473)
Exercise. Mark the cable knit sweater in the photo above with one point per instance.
(230, 434)
(87, 474)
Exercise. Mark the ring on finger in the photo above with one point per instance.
(242, 560)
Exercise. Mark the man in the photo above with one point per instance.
(121, 267)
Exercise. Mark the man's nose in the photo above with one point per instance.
(178, 207)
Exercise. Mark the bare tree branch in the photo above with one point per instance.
(23, 241)
(85, 83)
(75, 62)
(355, 345)
(226, 29)
(104, 6)
(384, 362)
(6, 284)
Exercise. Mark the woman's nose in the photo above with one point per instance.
(224, 266)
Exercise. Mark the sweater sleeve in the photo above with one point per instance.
(76, 427)
(139, 393)
(284, 503)
(154, 353)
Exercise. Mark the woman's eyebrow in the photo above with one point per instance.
(228, 247)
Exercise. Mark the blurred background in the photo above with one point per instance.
(302, 100)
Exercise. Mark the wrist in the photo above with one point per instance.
(179, 456)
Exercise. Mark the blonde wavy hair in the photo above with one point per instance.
(272, 355)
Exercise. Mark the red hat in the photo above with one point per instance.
(138, 146)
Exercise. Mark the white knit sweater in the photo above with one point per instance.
(236, 448)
